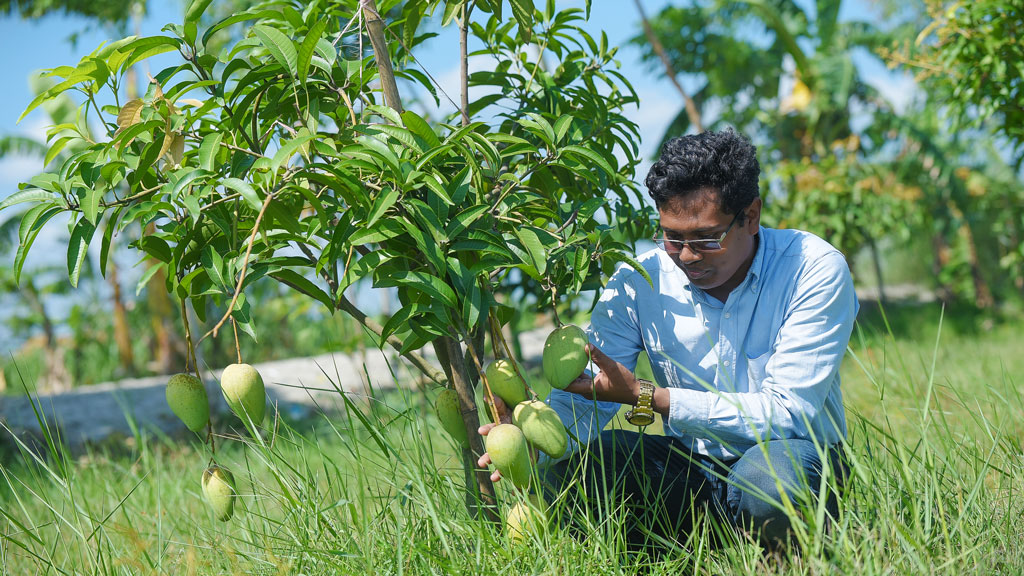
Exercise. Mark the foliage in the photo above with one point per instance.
(287, 169)
(851, 203)
(107, 11)
(969, 57)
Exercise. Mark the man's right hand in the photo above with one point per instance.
(504, 417)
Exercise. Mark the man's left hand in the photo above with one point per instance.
(614, 383)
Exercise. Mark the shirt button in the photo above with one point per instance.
(726, 363)
(728, 315)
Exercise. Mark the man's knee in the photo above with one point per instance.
(772, 482)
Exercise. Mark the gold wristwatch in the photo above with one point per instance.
(642, 413)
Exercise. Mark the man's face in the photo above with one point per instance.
(699, 216)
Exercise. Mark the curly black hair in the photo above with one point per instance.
(725, 161)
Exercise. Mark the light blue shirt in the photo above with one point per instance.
(762, 365)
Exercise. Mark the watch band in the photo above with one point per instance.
(642, 413)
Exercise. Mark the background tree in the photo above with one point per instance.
(964, 56)
(968, 55)
(783, 73)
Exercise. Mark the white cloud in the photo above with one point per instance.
(899, 89)
(15, 169)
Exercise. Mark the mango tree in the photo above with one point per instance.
(288, 156)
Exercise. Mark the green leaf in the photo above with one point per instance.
(185, 181)
(214, 265)
(304, 285)
(452, 9)
(466, 218)
(148, 275)
(236, 18)
(156, 247)
(379, 149)
(29, 195)
(419, 127)
(386, 199)
(289, 148)
(31, 224)
(78, 248)
(56, 148)
(279, 45)
(397, 132)
(247, 192)
(430, 285)
(540, 127)
(195, 10)
(208, 150)
(620, 256)
(108, 235)
(308, 47)
(590, 155)
(562, 126)
(400, 320)
(91, 204)
(534, 247)
(523, 12)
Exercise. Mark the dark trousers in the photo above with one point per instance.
(662, 488)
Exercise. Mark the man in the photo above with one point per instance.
(745, 328)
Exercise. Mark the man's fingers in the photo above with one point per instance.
(483, 430)
(583, 385)
(484, 462)
(599, 357)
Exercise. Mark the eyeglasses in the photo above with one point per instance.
(702, 245)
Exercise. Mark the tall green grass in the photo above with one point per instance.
(935, 427)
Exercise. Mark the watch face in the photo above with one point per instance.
(640, 419)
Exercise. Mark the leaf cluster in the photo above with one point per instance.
(274, 158)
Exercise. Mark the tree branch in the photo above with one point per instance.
(375, 28)
(691, 107)
(418, 361)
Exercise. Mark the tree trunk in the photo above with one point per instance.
(168, 349)
(940, 259)
(691, 107)
(449, 352)
(55, 374)
(876, 259)
(482, 500)
(982, 294)
(121, 333)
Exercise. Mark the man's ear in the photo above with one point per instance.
(753, 216)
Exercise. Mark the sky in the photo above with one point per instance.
(29, 46)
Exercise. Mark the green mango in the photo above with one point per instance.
(448, 411)
(505, 382)
(565, 355)
(243, 390)
(187, 398)
(219, 491)
(527, 517)
(542, 427)
(510, 454)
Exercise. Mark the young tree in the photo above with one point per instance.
(277, 159)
